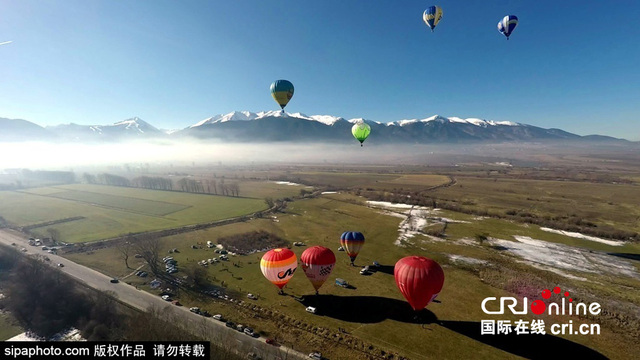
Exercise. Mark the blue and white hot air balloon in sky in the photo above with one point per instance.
(507, 24)
(432, 16)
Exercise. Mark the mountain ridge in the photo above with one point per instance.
(278, 126)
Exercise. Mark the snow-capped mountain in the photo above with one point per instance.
(278, 126)
(130, 128)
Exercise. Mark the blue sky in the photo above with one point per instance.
(569, 64)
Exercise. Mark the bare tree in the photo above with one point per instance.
(124, 248)
(149, 248)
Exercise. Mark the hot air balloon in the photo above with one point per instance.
(278, 266)
(317, 264)
(419, 279)
(360, 131)
(282, 92)
(432, 16)
(507, 24)
(352, 242)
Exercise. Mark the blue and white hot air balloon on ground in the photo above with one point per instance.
(432, 16)
(507, 24)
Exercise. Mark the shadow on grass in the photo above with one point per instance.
(626, 256)
(387, 269)
(528, 346)
(374, 309)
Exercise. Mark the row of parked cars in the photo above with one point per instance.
(171, 265)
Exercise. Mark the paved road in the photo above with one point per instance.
(142, 300)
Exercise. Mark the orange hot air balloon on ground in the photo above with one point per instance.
(317, 264)
(419, 279)
(278, 266)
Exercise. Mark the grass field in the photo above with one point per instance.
(114, 211)
(375, 310)
(8, 328)
(611, 204)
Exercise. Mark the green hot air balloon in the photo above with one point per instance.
(282, 92)
(361, 131)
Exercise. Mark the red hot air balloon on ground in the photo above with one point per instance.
(278, 266)
(317, 264)
(419, 279)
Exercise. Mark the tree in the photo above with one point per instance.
(269, 202)
(149, 248)
(124, 248)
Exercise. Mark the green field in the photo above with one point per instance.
(320, 222)
(610, 204)
(114, 211)
(8, 327)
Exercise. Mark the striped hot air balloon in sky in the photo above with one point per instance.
(432, 16)
(317, 264)
(419, 279)
(507, 24)
(352, 242)
(278, 266)
(282, 92)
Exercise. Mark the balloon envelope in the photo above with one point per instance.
(432, 16)
(282, 92)
(507, 24)
(317, 264)
(351, 242)
(361, 131)
(419, 279)
(278, 266)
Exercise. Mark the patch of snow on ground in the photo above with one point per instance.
(386, 204)
(328, 192)
(468, 260)
(71, 335)
(287, 183)
(451, 220)
(559, 256)
(582, 236)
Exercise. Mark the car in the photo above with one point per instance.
(271, 341)
(218, 317)
(51, 252)
(166, 298)
(205, 313)
(195, 310)
(13, 244)
(44, 248)
(114, 281)
(230, 324)
(138, 273)
(376, 264)
(46, 258)
(253, 356)
(252, 297)
(23, 250)
(240, 327)
(311, 309)
(60, 265)
(249, 331)
(316, 355)
(365, 272)
(340, 248)
(143, 274)
(176, 303)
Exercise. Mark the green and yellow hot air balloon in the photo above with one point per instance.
(282, 92)
(361, 131)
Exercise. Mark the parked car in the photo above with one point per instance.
(60, 265)
(230, 324)
(195, 310)
(205, 313)
(316, 356)
(252, 297)
(271, 341)
(114, 281)
(311, 309)
(176, 303)
(240, 327)
(218, 317)
(166, 298)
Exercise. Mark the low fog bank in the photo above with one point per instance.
(45, 155)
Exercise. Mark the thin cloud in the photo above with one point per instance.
(6, 42)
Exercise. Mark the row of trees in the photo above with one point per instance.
(160, 183)
(209, 187)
